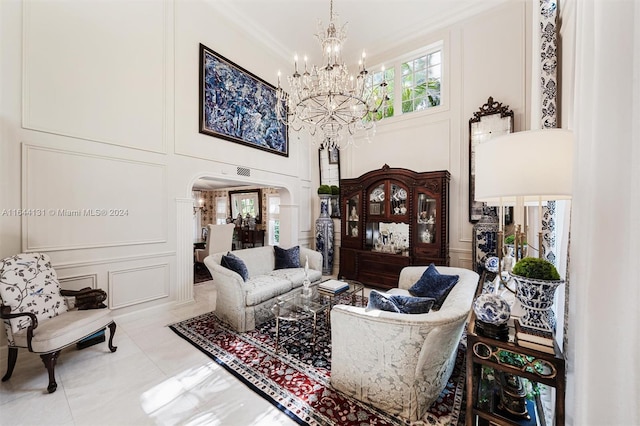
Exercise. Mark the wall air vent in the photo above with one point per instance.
(243, 171)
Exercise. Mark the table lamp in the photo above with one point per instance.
(526, 168)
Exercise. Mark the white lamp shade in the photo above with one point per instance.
(536, 165)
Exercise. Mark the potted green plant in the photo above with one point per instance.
(536, 283)
(324, 190)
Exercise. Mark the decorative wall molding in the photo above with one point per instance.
(77, 282)
(30, 56)
(133, 286)
(90, 209)
(110, 260)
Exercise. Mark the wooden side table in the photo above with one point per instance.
(251, 237)
(536, 366)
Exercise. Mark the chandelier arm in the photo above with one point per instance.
(329, 99)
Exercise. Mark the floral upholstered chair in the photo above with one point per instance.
(399, 362)
(36, 315)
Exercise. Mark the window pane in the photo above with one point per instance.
(434, 58)
(407, 106)
(420, 63)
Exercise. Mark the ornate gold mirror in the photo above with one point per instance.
(492, 120)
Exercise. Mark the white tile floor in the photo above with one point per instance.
(155, 377)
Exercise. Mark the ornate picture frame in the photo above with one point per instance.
(238, 106)
(491, 120)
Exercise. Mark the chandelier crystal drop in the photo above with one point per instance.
(327, 101)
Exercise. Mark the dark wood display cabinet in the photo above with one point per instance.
(392, 218)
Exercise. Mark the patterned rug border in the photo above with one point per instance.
(298, 410)
(237, 375)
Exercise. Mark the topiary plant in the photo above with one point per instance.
(533, 267)
(510, 239)
(324, 189)
(335, 190)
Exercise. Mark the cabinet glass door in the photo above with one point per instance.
(377, 198)
(398, 200)
(426, 219)
(353, 215)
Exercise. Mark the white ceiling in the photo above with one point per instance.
(376, 26)
(211, 184)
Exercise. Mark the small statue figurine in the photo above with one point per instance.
(354, 214)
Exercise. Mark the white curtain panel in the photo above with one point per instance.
(604, 324)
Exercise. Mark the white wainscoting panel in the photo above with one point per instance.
(79, 282)
(98, 73)
(79, 200)
(137, 285)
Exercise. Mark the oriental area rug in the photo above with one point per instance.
(296, 379)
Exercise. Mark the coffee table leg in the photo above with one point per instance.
(277, 332)
(315, 321)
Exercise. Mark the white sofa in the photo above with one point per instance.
(244, 305)
(400, 363)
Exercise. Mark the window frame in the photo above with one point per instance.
(396, 64)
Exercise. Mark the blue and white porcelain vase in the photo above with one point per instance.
(324, 234)
(536, 297)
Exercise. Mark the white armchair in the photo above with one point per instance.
(36, 315)
(400, 363)
(219, 239)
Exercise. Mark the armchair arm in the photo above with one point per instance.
(87, 298)
(5, 313)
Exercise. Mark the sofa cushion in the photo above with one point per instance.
(399, 303)
(234, 263)
(435, 285)
(287, 258)
(296, 275)
(265, 287)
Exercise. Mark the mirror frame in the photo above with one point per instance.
(481, 128)
(246, 191)
(331, 160)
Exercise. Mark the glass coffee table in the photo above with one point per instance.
(296, 309)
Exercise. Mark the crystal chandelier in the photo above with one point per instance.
(328, 102)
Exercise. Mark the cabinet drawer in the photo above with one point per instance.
(381, 270)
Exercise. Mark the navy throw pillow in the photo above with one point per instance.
(413, 305)
(434, 285)
(234, 263)
(399, 303)
(380, 301)
(287, 258)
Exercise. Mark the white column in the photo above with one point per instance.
(184, 250)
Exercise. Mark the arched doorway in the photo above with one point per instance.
(185, 223)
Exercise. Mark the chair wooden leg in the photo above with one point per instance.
(11, 363)
(112, 331)
(49, 361)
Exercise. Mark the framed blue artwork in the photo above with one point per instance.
(238, 106)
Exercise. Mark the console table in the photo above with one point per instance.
(533, 365)
(251, 237)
